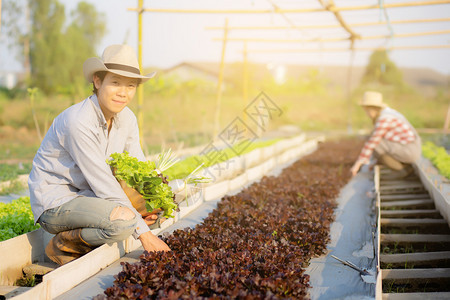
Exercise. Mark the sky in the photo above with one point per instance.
(172, 38)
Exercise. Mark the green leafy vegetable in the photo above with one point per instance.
(438, 156)
(183, 168)
(16, 218)
(143, 177)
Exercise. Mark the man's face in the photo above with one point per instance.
(114, 93)
(371, 112)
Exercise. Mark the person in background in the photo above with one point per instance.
(73, 192)
(394, 142)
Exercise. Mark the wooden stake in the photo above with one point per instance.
(245, 82)
(349, 89)
(140, 89)
(447, 120)
(219, 82)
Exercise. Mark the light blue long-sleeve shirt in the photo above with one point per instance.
(71, 160)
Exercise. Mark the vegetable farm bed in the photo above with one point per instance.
(255, 244)
(241, 171)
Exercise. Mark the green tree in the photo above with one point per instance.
(48, 59)
(82, 36)
(381, 70)
(14, 28)
(58, 45)
(57, 54)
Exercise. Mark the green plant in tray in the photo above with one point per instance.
(438, 156)
(16, 218)
(192, 164)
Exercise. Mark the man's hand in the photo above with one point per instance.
(355, 168)
(151, 217)
(151, 242)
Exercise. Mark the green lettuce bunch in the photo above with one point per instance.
(144, 177)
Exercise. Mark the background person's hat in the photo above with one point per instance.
(372, 99)
(117, 59)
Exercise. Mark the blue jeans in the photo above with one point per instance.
(93, 216)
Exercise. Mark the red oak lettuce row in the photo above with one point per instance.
(255, 244)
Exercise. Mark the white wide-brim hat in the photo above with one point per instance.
(371, 98)
(117, 59)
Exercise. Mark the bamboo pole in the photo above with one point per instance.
(264, 40)
(140, 89)
(340, 39)
(346, 49)
(219, 83)
(245, 81)
(401, 35)
(331, 7)
(288, 20)
(447, 121)
(327, 26)
(349, 90)
(294, 10)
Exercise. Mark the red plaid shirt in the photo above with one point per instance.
(391, 126)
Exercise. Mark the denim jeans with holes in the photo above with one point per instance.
(93, 216)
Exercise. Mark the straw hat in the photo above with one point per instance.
(117, 59)
(371, 98)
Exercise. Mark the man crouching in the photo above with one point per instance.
(73, 192)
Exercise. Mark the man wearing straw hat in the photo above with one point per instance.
(394, 142)
(73, 192)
